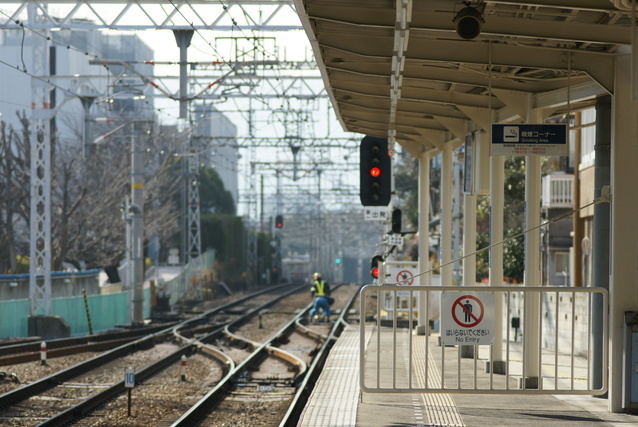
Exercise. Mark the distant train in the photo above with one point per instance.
(297, 269)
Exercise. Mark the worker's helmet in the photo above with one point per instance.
(317, 275)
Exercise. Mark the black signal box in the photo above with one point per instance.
(375, 172)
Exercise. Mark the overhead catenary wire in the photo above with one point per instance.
(277, 87)
(221, 57)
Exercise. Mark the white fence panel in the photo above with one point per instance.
(395, 360)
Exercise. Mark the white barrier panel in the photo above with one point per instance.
(553, 361)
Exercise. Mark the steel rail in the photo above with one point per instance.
(17, 395)
(64, 351)
(205, 405)
(88, 405)
(34, 344)
(43, 384)
(200, 410)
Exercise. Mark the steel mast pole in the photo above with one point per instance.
(137, 227)
(40, 228)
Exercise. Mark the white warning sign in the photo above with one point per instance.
(467, 318)
(404, 276)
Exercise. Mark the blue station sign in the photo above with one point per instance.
(529, 140)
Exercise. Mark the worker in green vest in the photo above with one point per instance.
(321, 292)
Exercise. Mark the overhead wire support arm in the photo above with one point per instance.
(128, 66)
(99, 15)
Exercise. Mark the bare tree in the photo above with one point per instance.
(14, 194)
(87, 196)
(89, 226)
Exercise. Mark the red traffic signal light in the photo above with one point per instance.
(374, 266)
(279, 221)
(375, 170)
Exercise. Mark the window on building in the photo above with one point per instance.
(588, 137)
(561, 262)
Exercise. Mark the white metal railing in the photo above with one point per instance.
(395, 360)
(557, 191)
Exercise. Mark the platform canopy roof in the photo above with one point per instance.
(400, 66)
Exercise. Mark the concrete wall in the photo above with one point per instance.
(554, 317)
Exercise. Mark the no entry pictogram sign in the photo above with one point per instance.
(467, 317)
(405, 278)
(468, 311)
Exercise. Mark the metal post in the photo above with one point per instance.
(40, 214)
(261, 204)
(183, 39)
(137, 226)
(424, 239)
(497, 181)
(469, 263)
(320, 243)
(469, 239)
(577, 276)
(601, 233)
(88, 312)
(446, 218)
(456, 219)
(87, 102)
(532, 268)
(623, 274)
(126, 216)
(194, 221)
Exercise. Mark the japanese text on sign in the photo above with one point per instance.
(467, 318)
(375, 213)
(529, 140)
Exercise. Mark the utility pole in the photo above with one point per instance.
(87, 102)
(40, 231)
(137, 226)
(261, 204)
(183, 39)
(193, 223)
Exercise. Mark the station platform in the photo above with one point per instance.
(337, 400)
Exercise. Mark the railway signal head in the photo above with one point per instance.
(279, 221)
(374, 266)
(396, 220)
(375, 172)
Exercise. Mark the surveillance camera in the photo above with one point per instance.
(468, 22)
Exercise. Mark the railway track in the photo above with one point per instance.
(258, 351)
(60, 392)
(260, 390)
(12, 354)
